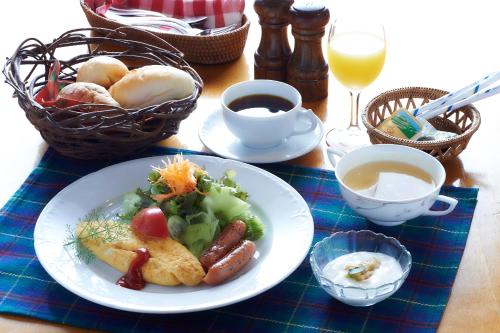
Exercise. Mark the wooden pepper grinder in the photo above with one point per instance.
(307, 69)
(273, 53)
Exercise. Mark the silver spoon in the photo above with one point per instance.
(162, 27)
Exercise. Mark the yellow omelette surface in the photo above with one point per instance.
(170, 263)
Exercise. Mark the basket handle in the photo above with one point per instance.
(145, 37)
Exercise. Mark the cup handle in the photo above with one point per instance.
(450, 201)
(332, 153)
(313, 121)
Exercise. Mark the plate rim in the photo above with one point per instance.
(298, 153)
(308, 239)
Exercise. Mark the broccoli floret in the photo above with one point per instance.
(255, 228)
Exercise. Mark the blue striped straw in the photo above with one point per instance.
(468, 100)
(456, 96)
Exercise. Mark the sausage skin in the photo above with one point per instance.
(231, 264)
(227, 240)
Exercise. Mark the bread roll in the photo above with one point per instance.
(102, 70)
(87, 92)
(151, 85)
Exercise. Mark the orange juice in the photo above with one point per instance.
(356, 58)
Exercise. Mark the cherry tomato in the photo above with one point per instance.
(150, 222)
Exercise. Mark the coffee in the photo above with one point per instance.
(263, 113)
(261, 105)
(389, 180)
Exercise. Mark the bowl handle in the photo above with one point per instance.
(450, 201)
(333, 154)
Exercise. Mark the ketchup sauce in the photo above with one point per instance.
(133, 278)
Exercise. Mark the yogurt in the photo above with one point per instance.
(388, 272)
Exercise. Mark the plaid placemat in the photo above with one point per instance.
(297, 304)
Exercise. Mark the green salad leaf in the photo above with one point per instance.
(182, 205)
(153, 177)
(228, 180)
(203, 182)
(221, 200)
(199, 234)
(196, 218)
(176, 227)
(133, 202)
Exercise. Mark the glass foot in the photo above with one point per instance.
(346, 140)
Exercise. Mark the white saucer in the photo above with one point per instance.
(216, 136)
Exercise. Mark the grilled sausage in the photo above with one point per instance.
(231, 264)
(227, 240)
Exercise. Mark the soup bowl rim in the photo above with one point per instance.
(437, 183)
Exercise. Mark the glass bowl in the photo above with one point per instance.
(341, 243)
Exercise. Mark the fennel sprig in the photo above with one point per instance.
(100, 226)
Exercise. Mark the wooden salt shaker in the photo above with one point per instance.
(273, 53)
(307, 68)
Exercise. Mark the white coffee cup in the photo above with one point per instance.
(391, 212)
(265, 131)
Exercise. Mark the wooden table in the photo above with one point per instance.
(428, 45)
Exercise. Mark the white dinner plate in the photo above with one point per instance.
(218, 138)
(287, 239)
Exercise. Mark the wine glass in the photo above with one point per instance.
(356, 55)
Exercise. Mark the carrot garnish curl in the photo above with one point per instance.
(179, 176)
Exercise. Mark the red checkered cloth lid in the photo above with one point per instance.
(219, 13)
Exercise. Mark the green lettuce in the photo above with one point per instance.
(133, 202)
(200, 232)
(221, 200)
(227, 207)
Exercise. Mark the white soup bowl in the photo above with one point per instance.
(392, 212)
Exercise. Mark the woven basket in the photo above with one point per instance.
(215, 49)
(464, 121)
(92, 131)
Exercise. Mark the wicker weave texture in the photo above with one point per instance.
(215, 49)
(464, 121)
(92, 131)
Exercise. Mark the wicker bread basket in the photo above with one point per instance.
(464, 121)
(214, 49)
(93, 131)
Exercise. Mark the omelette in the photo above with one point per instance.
(170, 263)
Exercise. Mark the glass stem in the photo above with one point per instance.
(354, 108)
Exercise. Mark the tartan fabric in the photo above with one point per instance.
(297, 304)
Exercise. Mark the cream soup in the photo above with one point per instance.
(389, 180)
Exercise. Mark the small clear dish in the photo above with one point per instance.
(341, 243)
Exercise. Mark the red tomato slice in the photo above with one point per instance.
(150, 222)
